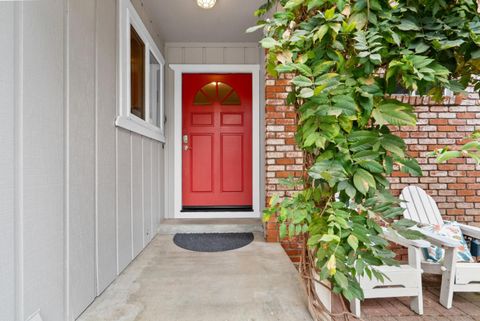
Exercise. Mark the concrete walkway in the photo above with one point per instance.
(166, 283)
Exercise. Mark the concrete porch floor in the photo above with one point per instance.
(167, 283)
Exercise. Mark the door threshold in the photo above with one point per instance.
(210, 225)
(235, 208)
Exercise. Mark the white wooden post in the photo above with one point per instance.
(448, 277)
(355, 307)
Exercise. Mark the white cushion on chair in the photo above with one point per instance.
(451, 230)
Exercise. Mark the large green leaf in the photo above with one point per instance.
(292, 4)
(445, 156)
(304, 69)
(343, 104)
(393, 112)
(363, 180)
(408, 25)
(306, 93)
(302, 81)
(393, 144)
(371, 165)
(410, 166)
(269, 43)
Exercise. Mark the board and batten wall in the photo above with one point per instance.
(205, 53)
(7, 161)
(79, 197)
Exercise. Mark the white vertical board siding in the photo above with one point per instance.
(253, 56)
(137, 193)
(105, 143)
(193, 55)
(234, 55)
(7, 167)
(41, 163)
(81, 154)
(147, 190)
(198, 53)
(214, 55)
(69, 179)
(124, 199)
(157, 180)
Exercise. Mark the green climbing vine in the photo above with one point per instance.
(348, 58)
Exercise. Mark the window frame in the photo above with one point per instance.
(125, 119)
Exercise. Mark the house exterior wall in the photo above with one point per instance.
(201, 53)
(79, 197)
(455, 186)
(7, 162)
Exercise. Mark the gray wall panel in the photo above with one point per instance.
(147, 190)
(105, 142)
(124, 199)
(7, 167)
(42, 160)
(81, 154)
(137, 193)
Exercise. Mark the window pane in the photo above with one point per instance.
(210, 90)
(137, 74)
(155, 85)
(201, 99)
(216, 91)
(233, 99)
(223, 90)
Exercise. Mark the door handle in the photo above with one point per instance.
(185, 142)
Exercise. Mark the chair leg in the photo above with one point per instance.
(416, 304)
(448, 278)
(414, 260)
(355, 307)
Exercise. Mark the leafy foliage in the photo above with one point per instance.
(348, 57)
(471, 150)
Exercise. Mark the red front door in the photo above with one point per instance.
(217, 141)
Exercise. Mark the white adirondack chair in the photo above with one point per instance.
(456, 276)
(404, 280)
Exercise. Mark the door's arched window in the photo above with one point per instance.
(216, 91)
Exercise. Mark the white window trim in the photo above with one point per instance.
(125, 119)
(179, 70)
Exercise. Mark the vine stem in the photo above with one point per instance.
(368, 14)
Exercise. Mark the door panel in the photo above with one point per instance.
(217, 140)
(201, 173)
(231, 162)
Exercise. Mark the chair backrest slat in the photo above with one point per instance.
(419, 206)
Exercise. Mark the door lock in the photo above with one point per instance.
(185, 142)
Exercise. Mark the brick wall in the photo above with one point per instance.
(282, 157)
(455, 185)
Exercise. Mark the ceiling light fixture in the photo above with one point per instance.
(206, 4)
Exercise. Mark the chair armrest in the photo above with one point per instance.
(394, 237)
(438, 240)
(471, 231)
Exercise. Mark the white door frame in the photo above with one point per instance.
(179, 70)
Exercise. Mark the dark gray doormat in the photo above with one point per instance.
(212, 242)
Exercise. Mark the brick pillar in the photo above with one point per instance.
(282, 156)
